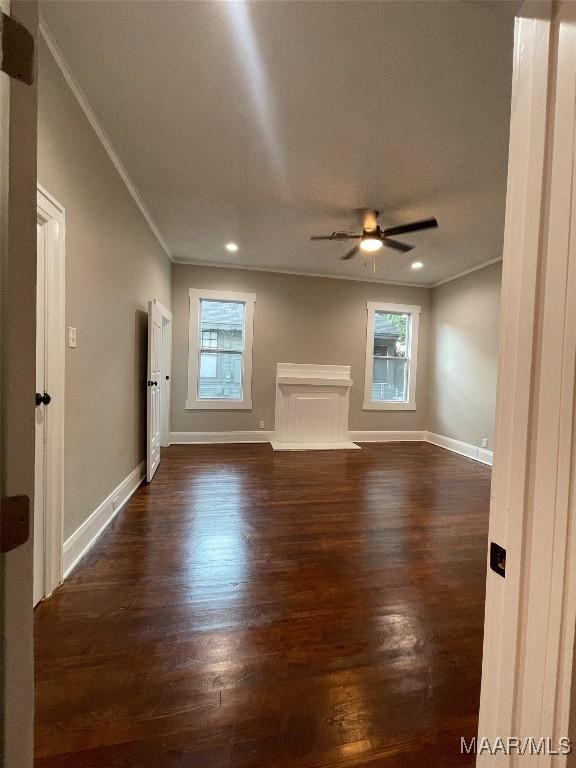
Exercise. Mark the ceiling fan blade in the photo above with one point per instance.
(335, 236)
(350, 253)
(397, 245)
(415, 226)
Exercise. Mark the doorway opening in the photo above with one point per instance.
(165, 377)
(49, 414)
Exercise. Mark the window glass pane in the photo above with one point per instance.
(208, 365)
(389, 382)
(209, 339)
(222, 324)
(391, 331)
(220, 376)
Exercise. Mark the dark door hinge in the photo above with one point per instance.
(14, 522)
(498, 559)
(16, 50)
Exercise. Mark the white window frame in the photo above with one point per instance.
(411, 354)
(193, 402)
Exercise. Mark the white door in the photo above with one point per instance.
(41, 416)
(17, 361)
(154, 389)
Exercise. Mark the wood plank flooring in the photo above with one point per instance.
(281, 610)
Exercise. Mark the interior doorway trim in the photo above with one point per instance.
(51, 214)
(530, 614)
(166, 374)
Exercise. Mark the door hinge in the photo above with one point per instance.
(14, 522)
(16, 50)
(498, 559)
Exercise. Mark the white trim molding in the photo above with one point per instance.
(279, 445)
(207, 438)
(297, 272)
(84, 537)
(530, 614)
(387, 436)
(193, 402)
(50, 214)
(329, 275)
(411, 356)
(80, 97)
(483, 455)
(477, 268)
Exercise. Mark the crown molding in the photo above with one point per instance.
(477, 268)
(80, 97)
(279, 271)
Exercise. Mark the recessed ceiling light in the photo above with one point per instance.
(417, 265)
(370, 244)
(232, 247)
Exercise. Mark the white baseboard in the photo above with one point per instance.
(83, 538)
(482, 455)
(356, 436)
(386, 436)
(261, 436)
(277, 445)
(199, 438)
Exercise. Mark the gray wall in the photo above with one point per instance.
(464, 351)
(114, 264)
(296, 320)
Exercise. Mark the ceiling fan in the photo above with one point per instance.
(373, 237)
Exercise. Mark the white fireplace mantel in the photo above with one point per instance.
(312, 407)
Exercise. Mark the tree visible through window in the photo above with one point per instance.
(390, 366)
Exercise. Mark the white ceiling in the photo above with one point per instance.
(267, 122)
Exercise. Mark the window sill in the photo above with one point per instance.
(218, 405)
(388, 406)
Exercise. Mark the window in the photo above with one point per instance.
(209, 339)
(391, 348)
(220, 353)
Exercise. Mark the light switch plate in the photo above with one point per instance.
(71, 337)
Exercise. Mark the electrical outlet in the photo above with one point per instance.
(71, 337)
(261, 424)
(484, 443)
(115, 503)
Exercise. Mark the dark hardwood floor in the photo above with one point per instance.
(287, 610)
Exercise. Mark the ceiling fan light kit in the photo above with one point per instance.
(373, 237)
(370, 244)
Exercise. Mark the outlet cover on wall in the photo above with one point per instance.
(71, 337)
(261, 424)
(484, 442)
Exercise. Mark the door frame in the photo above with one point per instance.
(531, 613)
(52, 215)
(6, 649)
(18, 261)
(166, 374)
